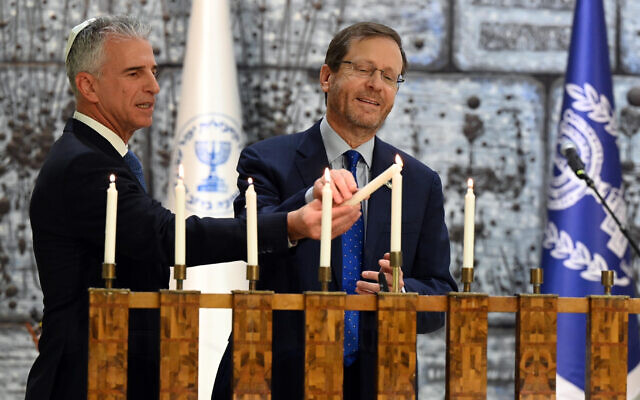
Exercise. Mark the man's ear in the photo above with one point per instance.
(85, 82)
(325, 75)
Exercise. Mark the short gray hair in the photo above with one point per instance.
(87, 51)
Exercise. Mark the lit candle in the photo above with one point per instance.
(380, 180)
(396, 207)
(325, 227)
(252, 224)
(110, 223)
(180, 220)
(469, 225)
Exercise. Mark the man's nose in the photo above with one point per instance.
(152, 85)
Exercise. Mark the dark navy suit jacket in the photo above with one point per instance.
(283, 168)
(67, 218)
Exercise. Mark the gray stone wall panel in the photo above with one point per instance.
(297, 33)
(629, 31)
(32, 101)
(38, 30)
(517, 35)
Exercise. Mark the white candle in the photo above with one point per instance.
(325, 227)
(110, 223)
(396, 207)
(469, 225)
(380, 180)
(180, 219)
(252, 224)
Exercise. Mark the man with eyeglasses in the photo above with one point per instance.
(363, 68)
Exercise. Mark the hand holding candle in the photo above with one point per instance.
(180, 237)
(110, 223)
(325, 227)
(469, 225)
(380, 180)
(252, 224)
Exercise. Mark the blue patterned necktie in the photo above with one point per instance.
(352, 246)
(136, 167)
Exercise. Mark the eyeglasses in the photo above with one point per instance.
(366, 70)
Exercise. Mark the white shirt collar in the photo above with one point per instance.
(335, 145)
(115, 140)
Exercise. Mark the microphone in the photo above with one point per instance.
(569, 151)
(384, 286)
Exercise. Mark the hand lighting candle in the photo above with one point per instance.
(110, 223)
(180, 219)
(380, 180)
(469, 225)
(325, 228)
(396, 207)
(252, 224)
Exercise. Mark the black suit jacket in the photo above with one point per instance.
(283, 168)
(68, 222)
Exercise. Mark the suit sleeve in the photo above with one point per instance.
(145, 229)
(430, 273)
(269, 184)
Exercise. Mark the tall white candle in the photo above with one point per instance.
(252, 224)
(110, 223)
(372, 186)
(325, 227)
(469, 225)
(396, 207)
(180, 218)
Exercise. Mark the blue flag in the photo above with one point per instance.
(581, 239)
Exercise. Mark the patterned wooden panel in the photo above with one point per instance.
(179, 327)
(536, 340)
(324, 340)
(467, 346)
(108, 344)
(252, 339)
(607, 348)
(397, 345)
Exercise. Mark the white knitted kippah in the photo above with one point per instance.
(72, 36)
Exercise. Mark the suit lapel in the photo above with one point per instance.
(378, 207)
(311, 156)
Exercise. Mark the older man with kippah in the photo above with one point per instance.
(112, 71)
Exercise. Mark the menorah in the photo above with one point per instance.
(466, 340)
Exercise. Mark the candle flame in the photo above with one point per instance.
(180, 171)
(112, 178)
(470, 183)
(327, 175)
(250, 180)
(399, 160)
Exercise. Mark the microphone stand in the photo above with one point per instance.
(582, 175)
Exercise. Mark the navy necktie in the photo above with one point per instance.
(136, 167)
(352, 246)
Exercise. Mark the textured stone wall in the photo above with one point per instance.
(482, 98)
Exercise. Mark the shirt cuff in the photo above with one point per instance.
(308, 196)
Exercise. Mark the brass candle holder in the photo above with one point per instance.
(108, 274)
(536, 278)
(180, 274)
(607, 281)
(324, 276)
(253, 275)
(395, 259)
(467, 278)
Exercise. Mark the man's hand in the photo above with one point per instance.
(343, 185)
(363, 287)
(305, 221)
